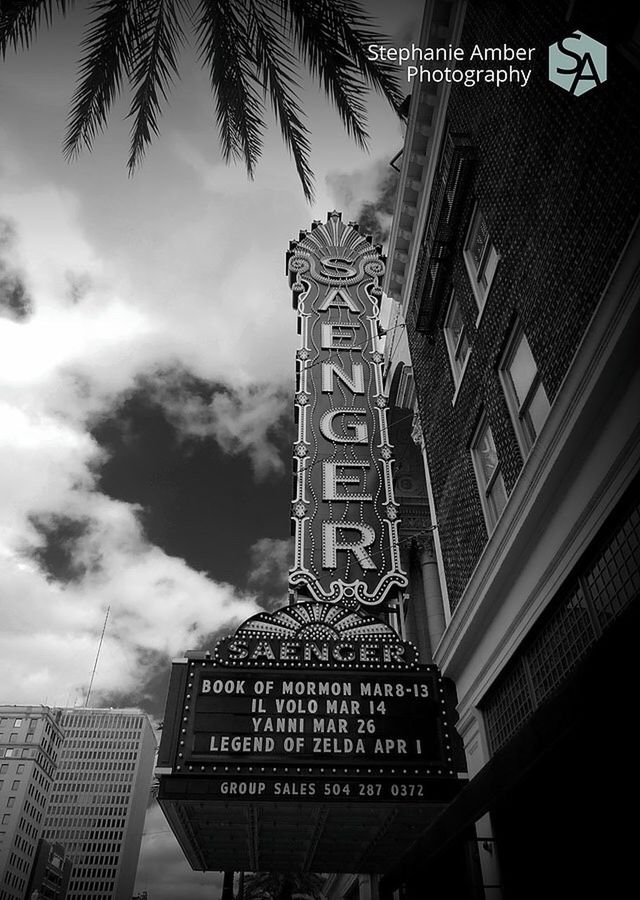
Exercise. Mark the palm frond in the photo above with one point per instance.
(250, 49)
(225, 51)
(20, 20)
(109, 50)
(155, 67)
(357, 34)
(265, 33)
(316, 31)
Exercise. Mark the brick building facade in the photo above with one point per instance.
(514, 259)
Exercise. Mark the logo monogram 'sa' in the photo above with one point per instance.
(578, 63)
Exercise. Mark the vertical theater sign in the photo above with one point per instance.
(312, 739)
(344, 512)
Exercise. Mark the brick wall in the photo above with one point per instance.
(556, 177)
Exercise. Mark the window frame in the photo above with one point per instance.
(457, 370)
(485, 487)
(489, 260)
(520, 412)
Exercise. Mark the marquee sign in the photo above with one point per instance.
(345, 518)
(297, 697)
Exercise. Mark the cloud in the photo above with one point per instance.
(368, 197)
(157, 606)
(243, 419)
(15, 301)
(271, 559)
(44, 463)
(68, 552)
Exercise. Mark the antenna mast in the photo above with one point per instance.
(95, 665)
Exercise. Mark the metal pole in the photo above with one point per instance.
(95, 665)
(227, 886)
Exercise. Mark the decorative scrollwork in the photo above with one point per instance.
(374, 267)
(299, 264)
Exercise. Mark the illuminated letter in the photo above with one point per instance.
(355, 383)
(263, 649)
(359, 431)
(332, 299)
(339, 337)
(239, 649)
(338, 267)
(331, 479)
(331, 545)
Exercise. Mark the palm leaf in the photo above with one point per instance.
(357, 35)
(109, 51)
(20, 20)
(250, 49)
(315, 27)
(265, 31)
(160, 36)
(224, 50)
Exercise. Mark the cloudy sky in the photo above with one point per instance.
(146, 378)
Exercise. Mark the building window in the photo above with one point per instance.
(17, 723)
(481, 257)
(493, 494)
(457, 339)
(526, 397)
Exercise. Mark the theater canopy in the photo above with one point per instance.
(311, 739)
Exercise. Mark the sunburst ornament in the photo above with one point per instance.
(312, 620)
(339, 625)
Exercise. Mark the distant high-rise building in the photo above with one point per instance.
(30, 740)
(50, 873)
(99, 798)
